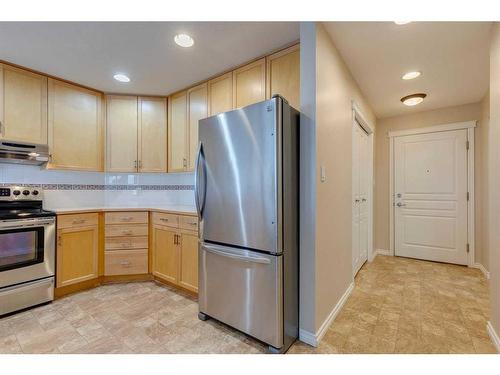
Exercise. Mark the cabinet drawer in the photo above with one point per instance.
(126, 230)
(126, 217)
(126, 262)
(168, 220)
(124, 243)
(77, 220)
(189, 222)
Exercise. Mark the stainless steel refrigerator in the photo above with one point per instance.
(246, 192)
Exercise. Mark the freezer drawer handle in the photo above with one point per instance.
(235, 256)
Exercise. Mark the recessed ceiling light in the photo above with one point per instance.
(411, 75)
(121, 77)
(184, 40)
(402, 22)
(413, 99)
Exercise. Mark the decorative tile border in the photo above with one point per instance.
(102, 187)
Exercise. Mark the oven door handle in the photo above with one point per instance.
(10, 224)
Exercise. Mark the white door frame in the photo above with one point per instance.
(359, 118)
(469, 125)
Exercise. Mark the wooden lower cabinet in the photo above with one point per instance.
(175, 252)
(77, 254)
(188, 262)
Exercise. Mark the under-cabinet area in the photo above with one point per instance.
(115, 246)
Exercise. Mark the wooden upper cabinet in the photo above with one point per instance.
(75, 127)
(197, 110)
(283, 75)
(121, 133)
(220, 94)
(152, 135)
(23, 105)
(249, 84)
(177, 132)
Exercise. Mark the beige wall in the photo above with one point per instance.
(494, 177)
(416, 120)
(335, 91)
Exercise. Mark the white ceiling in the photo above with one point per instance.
(90, 53)
(453, 57)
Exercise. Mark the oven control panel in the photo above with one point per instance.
(12, 193)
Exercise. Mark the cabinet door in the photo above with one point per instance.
(23, 105)
(165, 253)
(220, 94)
(188, 268)
(121, 133)
(177, 132)
(249, 84)
(283, 75)
(152, 135)
(75, 127)
(77, 255)
(197, 102)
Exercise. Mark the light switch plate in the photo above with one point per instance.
(322, 173)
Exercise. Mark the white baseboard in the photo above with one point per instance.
(381, 252)
(482, 269)
(314, 339)
(494, 337)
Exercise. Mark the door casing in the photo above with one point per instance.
(469, 125)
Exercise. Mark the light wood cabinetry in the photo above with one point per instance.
(152, 135)
(220, 94)
(177, 132)
(197, 110)
(249, 84)
(74, 127)
(77, 249)
(175, 250)
(136, 134)
(23, 105)
(283, 75)
(121, 133)
(126, 243)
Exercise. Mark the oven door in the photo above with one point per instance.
(27, 250)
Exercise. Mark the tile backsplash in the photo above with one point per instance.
(69, 189)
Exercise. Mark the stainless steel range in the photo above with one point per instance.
(27, 249)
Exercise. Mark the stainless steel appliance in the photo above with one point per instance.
(23, 153)
(27, 249)
(246, 191)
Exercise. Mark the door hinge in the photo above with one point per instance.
(468, 196)
(468, 247)
(467, 145)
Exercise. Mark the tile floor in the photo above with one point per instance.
(397, 306)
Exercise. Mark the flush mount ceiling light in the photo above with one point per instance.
(121, 78)
(402, 22)
(413, 99)
(184, 40)
(411, 75)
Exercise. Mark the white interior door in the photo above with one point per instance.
(430, 196)
(360, 194)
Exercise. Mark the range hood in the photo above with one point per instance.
(23, 153)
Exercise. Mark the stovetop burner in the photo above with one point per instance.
(18, 202)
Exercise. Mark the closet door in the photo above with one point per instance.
(355, 198)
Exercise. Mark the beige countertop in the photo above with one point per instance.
(175, 209)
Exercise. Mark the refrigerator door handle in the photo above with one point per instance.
(197, 190)
(220, 250)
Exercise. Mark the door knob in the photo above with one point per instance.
(399, 204)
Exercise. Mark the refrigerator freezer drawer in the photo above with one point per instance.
(244, 290)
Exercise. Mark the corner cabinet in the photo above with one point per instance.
(77, 248)
(185, 110)
(75, 128)
(283, 75)
(175, 249)
(249, 84)
(136, 134)
(23, 105)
